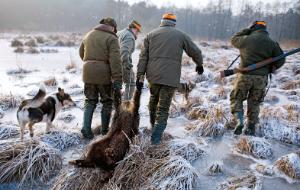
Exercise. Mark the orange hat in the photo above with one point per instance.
(261, 23)
(169, 16)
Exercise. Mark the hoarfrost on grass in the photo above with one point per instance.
(61, 139)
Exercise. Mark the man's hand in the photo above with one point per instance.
(199, 70)
(117, 86)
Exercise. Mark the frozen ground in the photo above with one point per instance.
(279, 116)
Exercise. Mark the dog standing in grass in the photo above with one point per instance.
(107, 151)
(38, 109)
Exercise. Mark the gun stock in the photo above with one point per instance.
(258, 65)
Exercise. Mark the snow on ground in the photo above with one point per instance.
(198, 126)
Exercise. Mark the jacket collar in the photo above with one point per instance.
(165, 23)
(135, 37)
(261, 31)
(105, 28)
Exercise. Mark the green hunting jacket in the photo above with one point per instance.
(160, 57)
(255, 47)
(101, 53)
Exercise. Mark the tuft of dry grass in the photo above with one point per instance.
(8, 101)
(19, 50)
(189, 150)
(31, 43)
(28, 162)
(32, 50)
(71, 66)
(52, 82)
(61, 139)
(254, 147)
(8, 131)
(197, 113)
(81, 179)
(213, 124)
(248, 181)
(291, 85)
(289, 165)
(16, 43)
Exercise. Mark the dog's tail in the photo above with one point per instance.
(82, 163)
(41, 94)
(37, 100)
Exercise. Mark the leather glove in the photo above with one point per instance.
(199, 70)
(139, 83)
(117, 85)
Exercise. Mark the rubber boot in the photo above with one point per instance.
(239, 116)
(250, 130)
(157, 133)
(105, 119)
(87, 120)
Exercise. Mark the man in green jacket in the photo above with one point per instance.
(102, 73)
(127, 39)
(160, 60)
(255, 45)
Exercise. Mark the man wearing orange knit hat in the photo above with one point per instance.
(160, 60)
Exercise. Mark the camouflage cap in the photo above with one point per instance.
(109, 21)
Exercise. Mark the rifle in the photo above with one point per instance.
(257, 65)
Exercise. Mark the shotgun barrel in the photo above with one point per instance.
(258, 65)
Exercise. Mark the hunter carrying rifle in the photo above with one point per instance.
(254, 45)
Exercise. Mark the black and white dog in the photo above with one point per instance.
(41, 109)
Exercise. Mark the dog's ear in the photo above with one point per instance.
(61, 91)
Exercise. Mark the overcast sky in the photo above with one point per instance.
(198, 3)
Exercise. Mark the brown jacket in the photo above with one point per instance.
(161, 55)
(101, 53)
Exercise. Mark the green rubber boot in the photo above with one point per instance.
(157, 133)
(250, 130)
(239, 116)
(105, 119)
(87, 120)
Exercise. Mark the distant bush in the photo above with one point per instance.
(16, 43)
(19, 50)
(40, 39)
(31, 43)
(32, 50)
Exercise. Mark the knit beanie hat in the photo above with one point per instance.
(169, 17)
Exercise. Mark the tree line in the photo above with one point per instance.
(217, 20)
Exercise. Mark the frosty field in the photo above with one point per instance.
(202, 140)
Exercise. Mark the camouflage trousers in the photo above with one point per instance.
(251, 88)
(92, 93)
(159, 104)
(129, 80)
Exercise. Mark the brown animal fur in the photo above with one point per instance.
(110, 149)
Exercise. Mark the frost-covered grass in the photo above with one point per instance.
(248, 182)
(8, 131)
(28, 162)
(254, 146)
(289, 165)
(61, 139)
